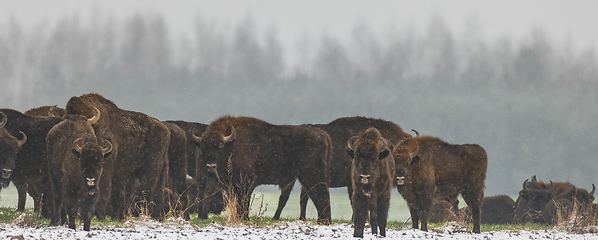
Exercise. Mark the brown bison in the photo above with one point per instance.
(46, 111)
(30, 165)
(498, 209)
(177, 169)
(140, 148)
(538, 201)
(427, 168)
(339, 166)
(75, 160)
(245, 152)
(372, 173)
(197, 184)
(9, 146)
(340, 130)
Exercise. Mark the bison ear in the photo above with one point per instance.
(77, 153)
(350, 152)
(384, 154)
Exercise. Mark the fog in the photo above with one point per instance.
(525, 95)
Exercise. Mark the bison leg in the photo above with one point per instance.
(285, 192)
(72, 213)
(474, 201)
(303, 197)
(359, 204)
(21, 186)
(212, 194)
(414, 218)
(383, 206)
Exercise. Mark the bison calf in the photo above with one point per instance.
(371, 172)
(427, 168)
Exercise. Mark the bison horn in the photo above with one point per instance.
(77, 147)
(534, 179)
(196, 138)
(351, 142)
(22, 141)
(96, 117)
(416, 152)
(382, 145)
(593, 190)
(4, 118)
(230, 137)
(107, 149)
(416, 133)
(551, 187)
(524, 184)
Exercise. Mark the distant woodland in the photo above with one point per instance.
(532, 104)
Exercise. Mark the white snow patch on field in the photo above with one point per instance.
(180, 229)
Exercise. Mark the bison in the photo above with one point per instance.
(202, 204)
(30, 173)
(177, 168)
(140, 148)
(538, 201)
(75, 160)
(427, 168)
(339, 166)
(9, 146)
(244, 152)
(372, 172)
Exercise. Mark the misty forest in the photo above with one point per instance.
(530, 103)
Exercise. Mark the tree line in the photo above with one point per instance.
(530, 104)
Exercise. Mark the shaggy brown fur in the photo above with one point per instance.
(372, 177)
(432, 168)
(263, 153)
(140, 151)
(75, 159)
(30, 173)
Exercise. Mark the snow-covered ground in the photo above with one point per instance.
(180, 229)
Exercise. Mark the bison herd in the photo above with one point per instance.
(92, 158)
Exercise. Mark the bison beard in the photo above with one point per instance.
(372, 172)
(261, 153)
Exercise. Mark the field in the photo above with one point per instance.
(260, 226)
(340, 206)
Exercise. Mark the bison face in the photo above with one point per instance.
(212, 147)
(367, 153)
(91, 157)
(9, 146)
(531, 202)
(404, 156)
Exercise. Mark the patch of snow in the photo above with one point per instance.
(181, 229)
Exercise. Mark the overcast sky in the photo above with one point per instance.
(561, 20)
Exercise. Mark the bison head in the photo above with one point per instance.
(367, 150)
(9, 146)
(531, 202)
(92, 157)
(405, 154)
(212, 145)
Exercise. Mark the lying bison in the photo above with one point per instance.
(76, 160)
(431, 168)
(372, 180)
(245, 152)
(538, 201)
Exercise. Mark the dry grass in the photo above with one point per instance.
(578, 218)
